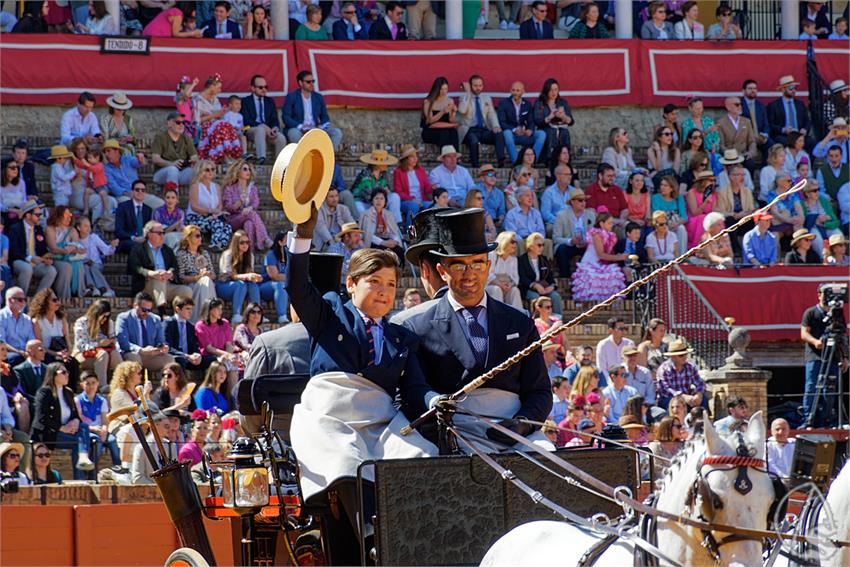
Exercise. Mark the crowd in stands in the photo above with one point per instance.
(343, 20)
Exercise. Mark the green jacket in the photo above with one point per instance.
(826, 204)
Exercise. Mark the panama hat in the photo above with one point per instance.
(839, 122)
(447, 151)
(837, 86)
(425, 233)
(787, 81)
(379, 157)
(347, 228)
(59, 151)
(677, 347)
(629, 351)
(578, 194)
(120, 101)
(837, 239)
(308, 179)
(800, 235)
(710, 219)
(408, 150)
(731, 157)
(111, 144)
(703, 175)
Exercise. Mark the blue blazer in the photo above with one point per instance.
(761, 116)
(449, 362)
(528, 31)
(507, 115)
(341, 33)
(249, 112)
(232, 28)
(18, 242)
(293, 109)
(125, 219)
(776, 117)
(339, 343)
(129, 336)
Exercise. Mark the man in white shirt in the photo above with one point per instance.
(80, 122)
(609, 351)
(451, 176)
(780, 449)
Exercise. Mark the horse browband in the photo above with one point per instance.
(738, 461)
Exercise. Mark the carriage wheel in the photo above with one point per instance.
(186, 557)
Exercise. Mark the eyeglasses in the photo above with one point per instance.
(43, 455)
(15, 298)
(458, 268)
(156, 232)
(241, 242)
(255, 312)
(61, 371)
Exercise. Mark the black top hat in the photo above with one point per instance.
(425, 233)
(326, 271)
(462, 233)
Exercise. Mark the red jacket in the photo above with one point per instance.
(402, 187)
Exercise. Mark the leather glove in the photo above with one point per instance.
(305, 229)
(518, 427)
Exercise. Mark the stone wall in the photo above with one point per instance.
(363, 126)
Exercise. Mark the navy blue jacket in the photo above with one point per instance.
(507, 115)
(18, 242)
(339, 342)
(381, 31)
(341, 33)
(449, 362)
(293, 109)
(232, 28)
(528, 31)
(125, 219)
(249, 112)
(776, 117)
(761, 116)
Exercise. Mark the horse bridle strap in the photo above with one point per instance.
(751, 462)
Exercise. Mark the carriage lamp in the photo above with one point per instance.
(245, 479)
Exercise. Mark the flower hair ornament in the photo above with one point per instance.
(170, 186)
(216, 77)
(184, 80)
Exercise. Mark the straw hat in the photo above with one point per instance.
(309, 178)
(800, 235)
(379, 157)
(630, 351)
(447, 151)
(787, 81)
(408, 150)
(731, 157)
(119, 101)
(837, 239)
(710, 219)
(6, 447)
(485, 168)
(837, 86)
(347, 228)
(578, 194)
(677, 347)
(59, 151)
(111, 144)
(703, 175)
(839, 122)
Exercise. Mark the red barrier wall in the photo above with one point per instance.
(53, 69)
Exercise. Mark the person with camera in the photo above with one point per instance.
(820, 325)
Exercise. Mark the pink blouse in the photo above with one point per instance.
(638, 211)
(609, 239)
(217, 335)
(233, 196)
(160, 26)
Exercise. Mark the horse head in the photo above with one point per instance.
(734, 489)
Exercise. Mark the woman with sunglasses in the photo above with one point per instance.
(242, 203)
(503, 284)
(536, 277)
(205, 205)
(724, 28)
(475, 200)
(693, 144)
(248, 329)
(94, 340)
(704, 123)
(56, 421)
(698, 163)
(13, 191)
(237, 278)
(11, 455)
(172, 392)
(51, 327)
(40, 471)
(663, 157)
(667, 443)
(700, 201)
(196, 268)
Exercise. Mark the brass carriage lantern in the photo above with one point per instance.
(245, 478)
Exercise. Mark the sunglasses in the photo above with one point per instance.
(21, 299)
(661, 224)
(539, 244)
(725, 14)
(677, 426)
(146, 309)
(209, 169)
(179, 122)
(241, 242)
(666, 133)
(246, 168)
(546, 306)
(43, 455)
(157, 232)
(255, 312)
(167, 374)
(139, 189)
(61, 371)
(261, 87)
(490, 174)
(196, 235)
(14, 456)
(622, 329)
(12, 167)
(349, 12)
(309, 81)
(696, 136)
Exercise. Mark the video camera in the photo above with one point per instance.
(834, 297)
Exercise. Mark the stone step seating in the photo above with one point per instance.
(60, 460)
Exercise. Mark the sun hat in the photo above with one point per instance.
(347, 228)
(710, 219)
(29, 206)
(703, 175)
(800, 235)
(677, 347)
(447, 151)
(408, 150)
(6, 447)
(837, 239)
(837, 86)
(308, 180)
(59, 151)
(379, 157)
(485, 168)
(787, 81)
(631, 422)
(119, 101)
(111, 144)
(731, 157)
(577, 194)
(629, 351)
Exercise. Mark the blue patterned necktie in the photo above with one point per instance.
(477, 334)
(479, 114)
(369, 324)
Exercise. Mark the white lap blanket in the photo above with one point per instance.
(492, 402)
(344, 419)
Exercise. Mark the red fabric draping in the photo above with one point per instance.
(53, 69)
(768, 302)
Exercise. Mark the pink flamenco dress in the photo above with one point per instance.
(596, 279)
(694, 224)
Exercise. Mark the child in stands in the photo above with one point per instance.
(96, 249)
(186, 106)
(62, 172)
(233, 116)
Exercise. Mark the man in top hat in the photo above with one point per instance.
(801, 249)
(467, 333)
(737, 132)
(452, 177)
(838, 103)
(787, 114)
(426, 233)
(676, 376)
(836, 137)
(756, 112)
(349, 241)
(333, 215)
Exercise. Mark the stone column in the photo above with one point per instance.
(790, 19)
(280, 19)
(454, 19)
(623, 22)
(737, 377)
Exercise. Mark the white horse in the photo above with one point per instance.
(550, 542)
(836, 524)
